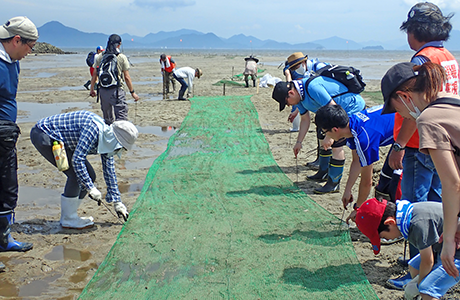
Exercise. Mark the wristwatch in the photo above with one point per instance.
(397, 147)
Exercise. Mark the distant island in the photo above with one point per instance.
(373, 48)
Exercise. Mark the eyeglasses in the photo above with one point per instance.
(323, 132)
(24, 41)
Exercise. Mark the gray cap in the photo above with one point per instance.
(125, 132)
(21, 26)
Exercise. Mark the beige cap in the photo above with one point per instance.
(198, 73)
(21, 26)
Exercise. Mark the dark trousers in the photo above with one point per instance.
(183, 87)
(43, 144)
(8, 180)
(113, 102)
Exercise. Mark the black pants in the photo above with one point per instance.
(9, 134)
(43, 144)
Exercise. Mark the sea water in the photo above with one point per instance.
(372, 63)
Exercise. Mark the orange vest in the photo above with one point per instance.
(444, 58)
(171, 65)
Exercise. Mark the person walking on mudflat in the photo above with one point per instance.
(17, 38)
(113, 69)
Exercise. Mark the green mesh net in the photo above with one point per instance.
(218, 219)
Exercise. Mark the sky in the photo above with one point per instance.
(281, 20)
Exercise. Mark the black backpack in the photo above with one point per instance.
(108, 71)
(90, 59)
(348, 76)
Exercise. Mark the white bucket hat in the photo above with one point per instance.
(126, 133)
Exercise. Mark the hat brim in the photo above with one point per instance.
(388, 108)
(298, 62)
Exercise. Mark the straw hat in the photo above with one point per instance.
(295, 59)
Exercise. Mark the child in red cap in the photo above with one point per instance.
(421, 224)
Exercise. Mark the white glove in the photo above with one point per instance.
(411, 289)
(121, 210)
(96, 195)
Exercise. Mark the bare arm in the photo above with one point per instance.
(406, 132)
(450, 179)
(129, 83)
(304, 126)
(426, 263)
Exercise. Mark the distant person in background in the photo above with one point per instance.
(427, 28)
(99, 50)
(17, 38)
(250, 69)
(113, 97)
(186, 73)
(168, 65)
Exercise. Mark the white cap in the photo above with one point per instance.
(125, 132)
(21, 26)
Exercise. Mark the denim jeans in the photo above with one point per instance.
(420, 181)
(437, 282)
(183, 86)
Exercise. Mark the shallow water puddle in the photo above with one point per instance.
(165, 131)
(63, 253)
(35, 201)
(37, 111)
(32, 289)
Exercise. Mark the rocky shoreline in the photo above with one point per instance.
(41, 48)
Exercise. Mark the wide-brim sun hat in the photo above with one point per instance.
(198, 73)
(295, 59)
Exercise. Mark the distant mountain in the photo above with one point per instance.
(60, 35)
(337, 43)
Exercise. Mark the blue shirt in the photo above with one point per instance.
(9, 74)
(370, 130)
(321, 91)
(80, 134)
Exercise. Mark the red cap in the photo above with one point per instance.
(368, 218)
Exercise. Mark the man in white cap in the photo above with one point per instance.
(186, 73)
(17, 38)
(84, 133)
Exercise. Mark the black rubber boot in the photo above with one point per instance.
(254, 83)
(321, 175)
(329, 187)
(7, 243)
(247, 83)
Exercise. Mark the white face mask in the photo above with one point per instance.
(301, 70)
(413, 114)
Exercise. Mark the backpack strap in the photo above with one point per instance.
(445, 100)
(451, 101)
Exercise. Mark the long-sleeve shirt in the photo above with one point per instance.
(9, 74)
(188, 73)
(80, 134)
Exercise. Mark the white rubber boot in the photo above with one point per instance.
(296, 123)
(69, 216)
